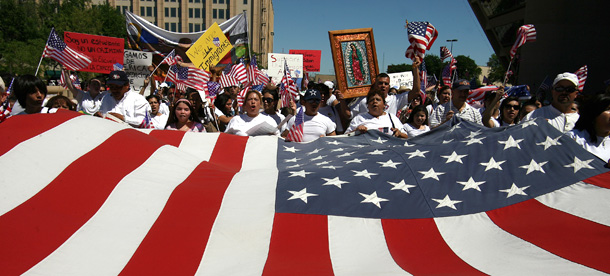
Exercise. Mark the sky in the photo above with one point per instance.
(304, 25)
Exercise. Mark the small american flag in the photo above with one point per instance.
(118, 67)
(73, 78)
(216, 41)
(147, 122)
(5, 108)
(288, 89)
(238, 71)
(445, 53)
(526, 33)
(66, 56)
(582, 77)
(421, 36)
(228, 81)
(213, 89)
(295, 133)
(447, 75)
(170, 59)
(189, 76)
(423, 76)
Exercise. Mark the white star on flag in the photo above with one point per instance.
(379, 140)
(549, 142)
(389, 164)
(454, 128)
(528, 123)
(514, 190)
(338, 149)
(431, 174)
(373, 198)
(293, 166)
(331, 167)
(293, 160)
(301, 173)
(473, 134)
(322, 163)
(417, 153)
(474, 141)
(313, 152)
(302, 195)
(492, 164)
(471, 184)
(408, 145)
(333, 142)
(364, 173)
(318, 158)
(345, 154)
(291, 149)
(334, 181)
(446, 202)
(579, 164)
(376, 152)
(454, 157)
(533, 166)
(447, 141)
(401, 186)
(355, 160)
(511, 143)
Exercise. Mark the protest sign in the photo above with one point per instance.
(136, 65)
(311, 59)
(276, 66)
(210, 48)
(401, 79)
(104, 51)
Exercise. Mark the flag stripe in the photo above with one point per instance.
(21, 132)
(175, 245)
(601, 180)
(358, 247)
(200, 145)
(172, 138)
(20, 160)
(104, 245)
(72, 198)
(582, 239)
(488, 248)
(418, 247)
(583, 200)
(250, 203)
(308, 234)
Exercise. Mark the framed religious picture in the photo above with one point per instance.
(355, 60)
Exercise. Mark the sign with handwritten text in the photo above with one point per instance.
(311, 59)
(276, 66)
(103, 50)
(210, 48)
(401, 79)
(136, 66)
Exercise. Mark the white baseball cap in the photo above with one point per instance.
(566, 76)
(330, 84)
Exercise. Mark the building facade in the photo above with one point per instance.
(197, 15)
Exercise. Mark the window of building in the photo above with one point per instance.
(179, 27)
(173, 26)
(221, 13)
(221, 1)
(203, 26)
(190, 27)
(214, 14)
(166, 12)
(245, 2)
(142, 11)
(190, 13)
(166, 26)
(197, 13)
(149, 11)
(228, 13)
(197, 28)
(173, 10)
(214, 1)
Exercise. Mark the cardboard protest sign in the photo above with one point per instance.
(311, 59)
(136, 65)
(210, 48)
(401, 79)
(276, 66)
(104, 51)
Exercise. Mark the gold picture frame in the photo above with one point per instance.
(355, 60)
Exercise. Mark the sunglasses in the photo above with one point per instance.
(267, 100)
(510, 106)
(566, 89)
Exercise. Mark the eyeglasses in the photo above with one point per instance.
(510, 106)
(267, 100)
(566, 89)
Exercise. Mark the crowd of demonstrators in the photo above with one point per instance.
(245, 124)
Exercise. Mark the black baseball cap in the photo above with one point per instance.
(117, 78)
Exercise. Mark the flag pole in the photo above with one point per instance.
(39, 62)
(507, 70)
(161, 63)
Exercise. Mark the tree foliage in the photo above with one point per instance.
(25, 29)
(467, 68)
(496, 72)
(397, 68)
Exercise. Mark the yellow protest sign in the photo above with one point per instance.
(210, 48)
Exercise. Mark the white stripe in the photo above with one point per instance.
(242, 230)
(34, 163)
(582, 200)
(104, 245)
(199, 144)
(358, 247)
(488, 248)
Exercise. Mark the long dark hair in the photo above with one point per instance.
(588, 114)
(221, 102)
(415, 110)
(172, 115)
(504, 104)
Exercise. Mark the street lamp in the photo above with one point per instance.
(452, 40)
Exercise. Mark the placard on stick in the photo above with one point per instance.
(210, 48)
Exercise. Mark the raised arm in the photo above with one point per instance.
(75, 92)
(416, 81)
(495, 104)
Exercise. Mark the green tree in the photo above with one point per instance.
(496, 72)
(397, 68)
(433, 65)
(467, 68)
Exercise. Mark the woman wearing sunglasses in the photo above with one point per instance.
(271, 98)
(509, 111)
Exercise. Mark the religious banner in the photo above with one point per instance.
(398, 80)
(104, 51)
(276, 66)
(210, 48)
(136, 64)
(311, 59)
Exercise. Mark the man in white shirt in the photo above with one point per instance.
(559, 113)
(315, 125)
(457, 106)
(124, 104)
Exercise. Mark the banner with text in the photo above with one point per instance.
(311, 59)
(104, 51)
(136, 65)
(276, 66)
(210, 48)
(401, 79)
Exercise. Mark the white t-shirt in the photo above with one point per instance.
(333, 114)
(314, 126)
(160, 121)
(278, 118)
(239, 125)
(87, 104)
(393, 103)
(412, 132)
(132, 106)
(600, 149)
(564, 122)
(383, 123)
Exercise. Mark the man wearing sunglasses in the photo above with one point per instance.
(315, 125)
(560, 113)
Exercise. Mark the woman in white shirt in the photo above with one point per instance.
(159, 120)
(417, 123)
(252, 123)
(592, 130)
(376, 118)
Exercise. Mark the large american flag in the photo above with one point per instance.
(295, 133)
(66, 56)
(460, 200)
(581, 73)
(526, 33)
(421, 36)
(189, 76)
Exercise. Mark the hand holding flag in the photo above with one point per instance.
(421, 35)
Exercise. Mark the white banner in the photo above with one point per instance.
(401, 79)
(276, 66)
(136, 66)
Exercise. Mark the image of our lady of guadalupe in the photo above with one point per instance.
(356, 66)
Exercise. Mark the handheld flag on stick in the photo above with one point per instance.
(421, 35)
(189, 76)
(526, 33)
(288, 89)
(581, 73)
(57, 50)
(295, 133)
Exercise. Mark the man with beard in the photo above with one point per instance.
(315, 125)
(560, 113)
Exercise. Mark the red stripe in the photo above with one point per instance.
(601, 180)
(570, 237)
(31, 231)
(172, 138)
(176, 242)
(418, 247)
(299, 246)
(17, 129)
